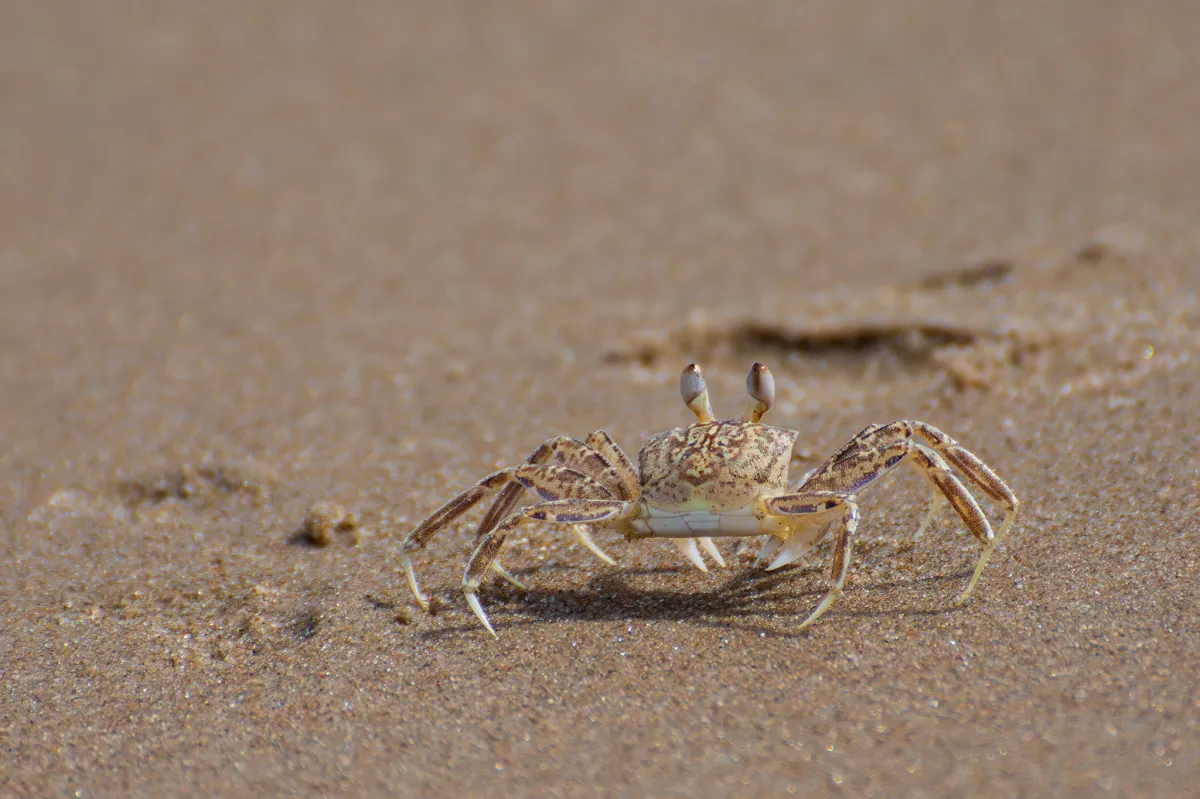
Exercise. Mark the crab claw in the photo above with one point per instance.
(769, 548)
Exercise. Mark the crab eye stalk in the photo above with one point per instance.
(695, 393)
(760, 384)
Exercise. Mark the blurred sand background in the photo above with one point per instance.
(259, 255)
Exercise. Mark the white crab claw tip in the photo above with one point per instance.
(712, 551)
(689, 549)
(769, 548)
(781, 560)
(789, 553)
(473, 601)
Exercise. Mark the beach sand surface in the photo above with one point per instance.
(255, 257)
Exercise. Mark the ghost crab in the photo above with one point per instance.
(716, 478)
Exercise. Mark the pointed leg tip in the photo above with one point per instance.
(784, 558)
(711, 548)
(817, 613)
(812, 617)
(965, 597)
(692, 552)
(411, 576)
(935, 507)
(477, 609)
(507, 575)
(581, 533)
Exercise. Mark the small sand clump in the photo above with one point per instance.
(323, 519)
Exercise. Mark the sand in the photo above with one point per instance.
(255, 257)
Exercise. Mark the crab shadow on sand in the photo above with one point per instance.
(744, 601)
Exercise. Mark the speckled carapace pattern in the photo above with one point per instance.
(717, 466)
(255, 257)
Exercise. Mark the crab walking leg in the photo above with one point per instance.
(769, 548)
(938, 474)
(603, 443)
(692, 552)
(866, 457)
(582, 457)
(880, 448)
(967, 463)
(981, 476)
(548, 482)
(563, 511)
(690, 547)
(585, 538)
(708, 546)
(499, 569)
(935, 507)
(823, 504)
